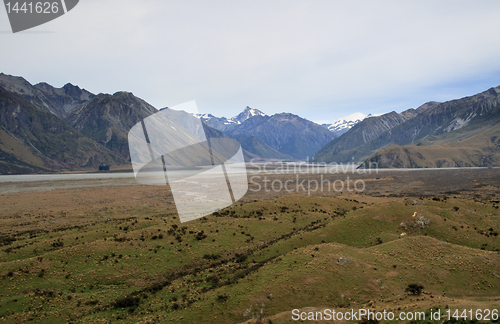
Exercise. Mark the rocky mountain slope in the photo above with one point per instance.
(252, 147)
(287, 133)
(344, 148)
(341, 126)
(107, 119)
(224, 124)
(259, 148)
(431, 119)
(344, 124)
(58, 101)
(281, 136)
(34, 140)
(475, 145)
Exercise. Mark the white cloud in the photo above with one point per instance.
(318, 59)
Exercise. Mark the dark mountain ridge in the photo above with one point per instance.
(431, 119)
(286, 133)
(343, 148)
(34, 140)
(107, 119)
(58, 101)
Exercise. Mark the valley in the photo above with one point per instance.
(112, 251)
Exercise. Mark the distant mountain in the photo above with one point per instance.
(224, 124)
(475, 145)
(344, 124)
(287, 133)
(58, 101)
(341, 126)
(107, 119)
(281, 136)
(260, 149)
(247, 114)
(344, 148)
(443, 120)
(253, 148)
(33, 140)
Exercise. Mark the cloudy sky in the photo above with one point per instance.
(320, 59)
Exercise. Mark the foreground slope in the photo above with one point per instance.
(127, 258)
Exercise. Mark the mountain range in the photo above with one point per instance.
(107, 119)
(224, 124)
(281, 136)
(461, 132)
(58, 101)
(47, 129)
(34, 140)
(286, 133)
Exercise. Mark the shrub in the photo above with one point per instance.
(222, 298)
(211, 256)
(240, 258)
(127, 301)
(414, 289)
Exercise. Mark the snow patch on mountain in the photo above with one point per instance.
(343, 124)
(236, 120)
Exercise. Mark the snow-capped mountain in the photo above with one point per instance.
(282, 136)
(223, 123)
(344, 124)
(246, 114)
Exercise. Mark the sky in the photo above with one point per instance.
(319, 59)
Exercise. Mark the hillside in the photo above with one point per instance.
(58, 101)
(252, 147)
(260, 259)
(345, 147)
(287, 133)
(107, 119)
(260, 149)
(224, 124)
(33, 140)
(432, 119)
(476, 145)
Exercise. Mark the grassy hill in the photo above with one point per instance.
(120, 254)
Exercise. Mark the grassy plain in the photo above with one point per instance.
(108, 253)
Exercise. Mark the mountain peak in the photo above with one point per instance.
(123, 93)
(343, 124)
(247, 113)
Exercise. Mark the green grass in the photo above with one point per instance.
(288, 248)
